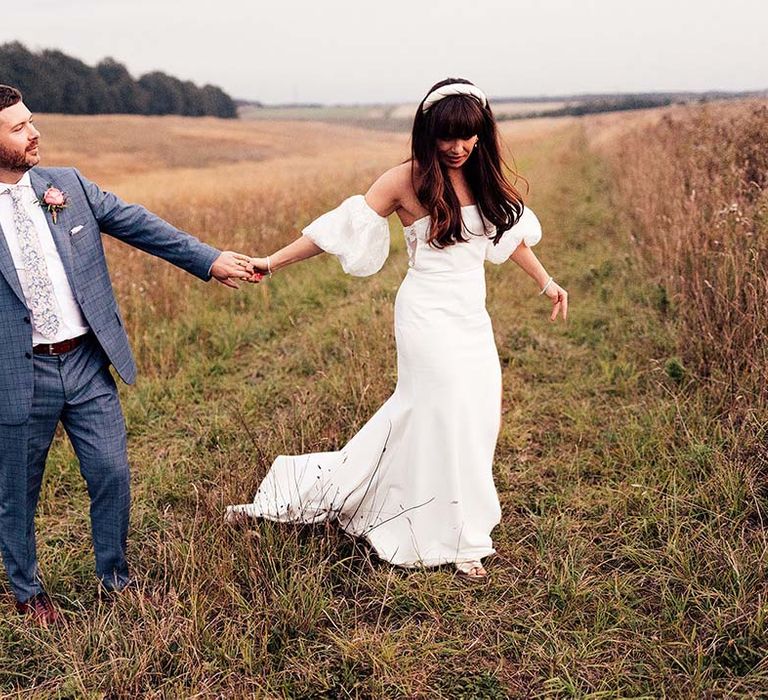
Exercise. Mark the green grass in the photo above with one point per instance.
(632, 555)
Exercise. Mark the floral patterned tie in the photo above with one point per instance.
(42, 302)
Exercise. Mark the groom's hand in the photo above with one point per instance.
(230, 266)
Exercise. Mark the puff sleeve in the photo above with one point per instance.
(527, 230)
(356, 234)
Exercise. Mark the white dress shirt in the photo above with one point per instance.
(72, 323)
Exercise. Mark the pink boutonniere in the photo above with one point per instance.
(54, 200)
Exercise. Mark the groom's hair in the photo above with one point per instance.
(9, 96)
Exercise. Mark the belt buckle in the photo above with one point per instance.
(60, 348)
(46, 349)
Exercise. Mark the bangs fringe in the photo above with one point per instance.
(457, 116)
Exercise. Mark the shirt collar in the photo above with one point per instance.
(24, 182)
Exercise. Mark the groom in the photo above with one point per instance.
(60, 329)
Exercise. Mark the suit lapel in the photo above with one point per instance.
(8, 269)
(59, 230)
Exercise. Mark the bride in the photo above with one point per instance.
(416, 482)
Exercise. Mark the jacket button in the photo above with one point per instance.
(26, 319)
(28, 355)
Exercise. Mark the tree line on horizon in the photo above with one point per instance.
(52, 81)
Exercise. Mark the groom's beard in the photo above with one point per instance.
(18, 162)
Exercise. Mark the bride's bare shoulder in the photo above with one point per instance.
(391, 189)
(399, 180)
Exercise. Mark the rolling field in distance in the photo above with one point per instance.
(632, 556)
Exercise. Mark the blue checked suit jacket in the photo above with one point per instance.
(82, 254)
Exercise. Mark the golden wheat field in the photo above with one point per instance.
(632, 555)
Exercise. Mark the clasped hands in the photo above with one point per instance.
(231, 266)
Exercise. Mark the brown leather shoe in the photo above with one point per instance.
(40, 608)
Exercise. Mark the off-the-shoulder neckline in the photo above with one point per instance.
(421, 218)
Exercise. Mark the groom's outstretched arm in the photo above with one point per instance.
(142, 229)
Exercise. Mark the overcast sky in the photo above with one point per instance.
(338, 51)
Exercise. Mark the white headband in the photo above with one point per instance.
(454, 89)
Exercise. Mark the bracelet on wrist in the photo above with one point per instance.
(546, 286)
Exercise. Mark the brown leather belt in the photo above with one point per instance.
(59, 348)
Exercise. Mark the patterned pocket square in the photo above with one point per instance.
(75, 230)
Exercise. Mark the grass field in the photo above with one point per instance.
(632, 557)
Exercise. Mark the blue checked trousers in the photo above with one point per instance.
(76, 389)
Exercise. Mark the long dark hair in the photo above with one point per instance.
(461, 116)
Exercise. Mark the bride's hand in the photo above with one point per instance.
(559, 299)
(260, 268)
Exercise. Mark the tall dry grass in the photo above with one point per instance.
(696, 185)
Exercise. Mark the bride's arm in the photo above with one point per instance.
(526, 259)
(383, 198)
(296, 251)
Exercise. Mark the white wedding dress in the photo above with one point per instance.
(416, 481)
